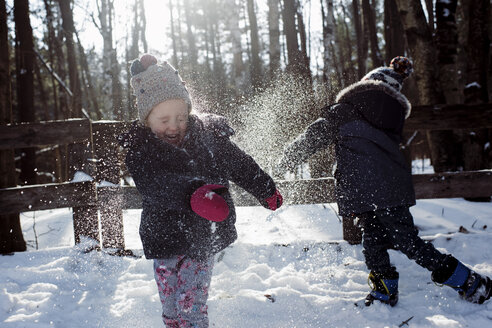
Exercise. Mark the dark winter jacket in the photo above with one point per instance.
(166, 176)
(365, 125)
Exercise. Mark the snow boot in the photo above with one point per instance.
(384, 288)
(471, 286)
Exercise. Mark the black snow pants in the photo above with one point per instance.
(393, 228)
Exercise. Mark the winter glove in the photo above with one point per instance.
(207, 202)
(273, 202)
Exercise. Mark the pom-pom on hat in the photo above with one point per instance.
(400, 68)
(154, 83)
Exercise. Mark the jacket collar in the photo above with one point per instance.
(347, 94)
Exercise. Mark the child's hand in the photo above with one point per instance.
(273, 202)
(207, 202)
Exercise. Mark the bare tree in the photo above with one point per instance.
(370, 25)
(447, 49)
(89, 86)
(238, 74)
(11, 239)
(362, 40)
(303, 38)
(476, 154)
(394, 34)
(423, 51)
(73, 72)
(349, 74)
(25, 83)
(328, 39)
(290, 31)
(111, 67)
(255, 45)
(174, 59)
(143, 25)
(192, 59)
(274, 35)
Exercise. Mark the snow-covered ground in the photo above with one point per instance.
(296, 255)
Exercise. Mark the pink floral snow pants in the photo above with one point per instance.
(183, 289)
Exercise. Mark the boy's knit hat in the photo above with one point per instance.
(154, 83)
(400, 68)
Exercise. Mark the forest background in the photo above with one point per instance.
(269, 66)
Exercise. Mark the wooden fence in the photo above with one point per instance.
(97, 209)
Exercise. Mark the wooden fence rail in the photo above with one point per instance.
(469, 184)
(102, 206)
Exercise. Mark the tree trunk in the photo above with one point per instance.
(446, 38)
(350, 74)
(274, 36)
(394, 34)
(116, 95)
(328, 40)
(41, 92)
(255, 45)
(58, 98)
(11, 239)
(290, 31)
(476, 154)
(179, 9)
(104, 13)
(143, 26)
(61, 69)
(303, 53)
(133, 52)
(238, 75)
(77, 152)
(88, 84)
(361, 40)
(51, 46)
(423, 51)
(370, 24)
(110, 61)
(25, 83)
(73, 72)
(192, 50)
(447, 54)
(174, 59)
(429, 4)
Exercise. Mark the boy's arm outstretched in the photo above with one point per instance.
(245, 172)
(318, 135)
(240, 167)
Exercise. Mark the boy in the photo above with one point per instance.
(374, 183)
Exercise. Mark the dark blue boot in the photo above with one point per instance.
(384, 288)
(471, 286)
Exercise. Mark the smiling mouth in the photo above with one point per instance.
(172, 138)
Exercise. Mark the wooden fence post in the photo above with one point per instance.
(352, 232)
(108, 170)
(85, 223)
(85, 218)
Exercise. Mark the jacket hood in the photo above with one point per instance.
(348, 94)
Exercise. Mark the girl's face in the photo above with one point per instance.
(169, 120)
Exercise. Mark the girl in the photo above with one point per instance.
(181, 164)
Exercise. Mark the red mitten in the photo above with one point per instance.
(275, 201)
(207, 202)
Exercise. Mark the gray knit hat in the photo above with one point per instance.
(154, 83)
